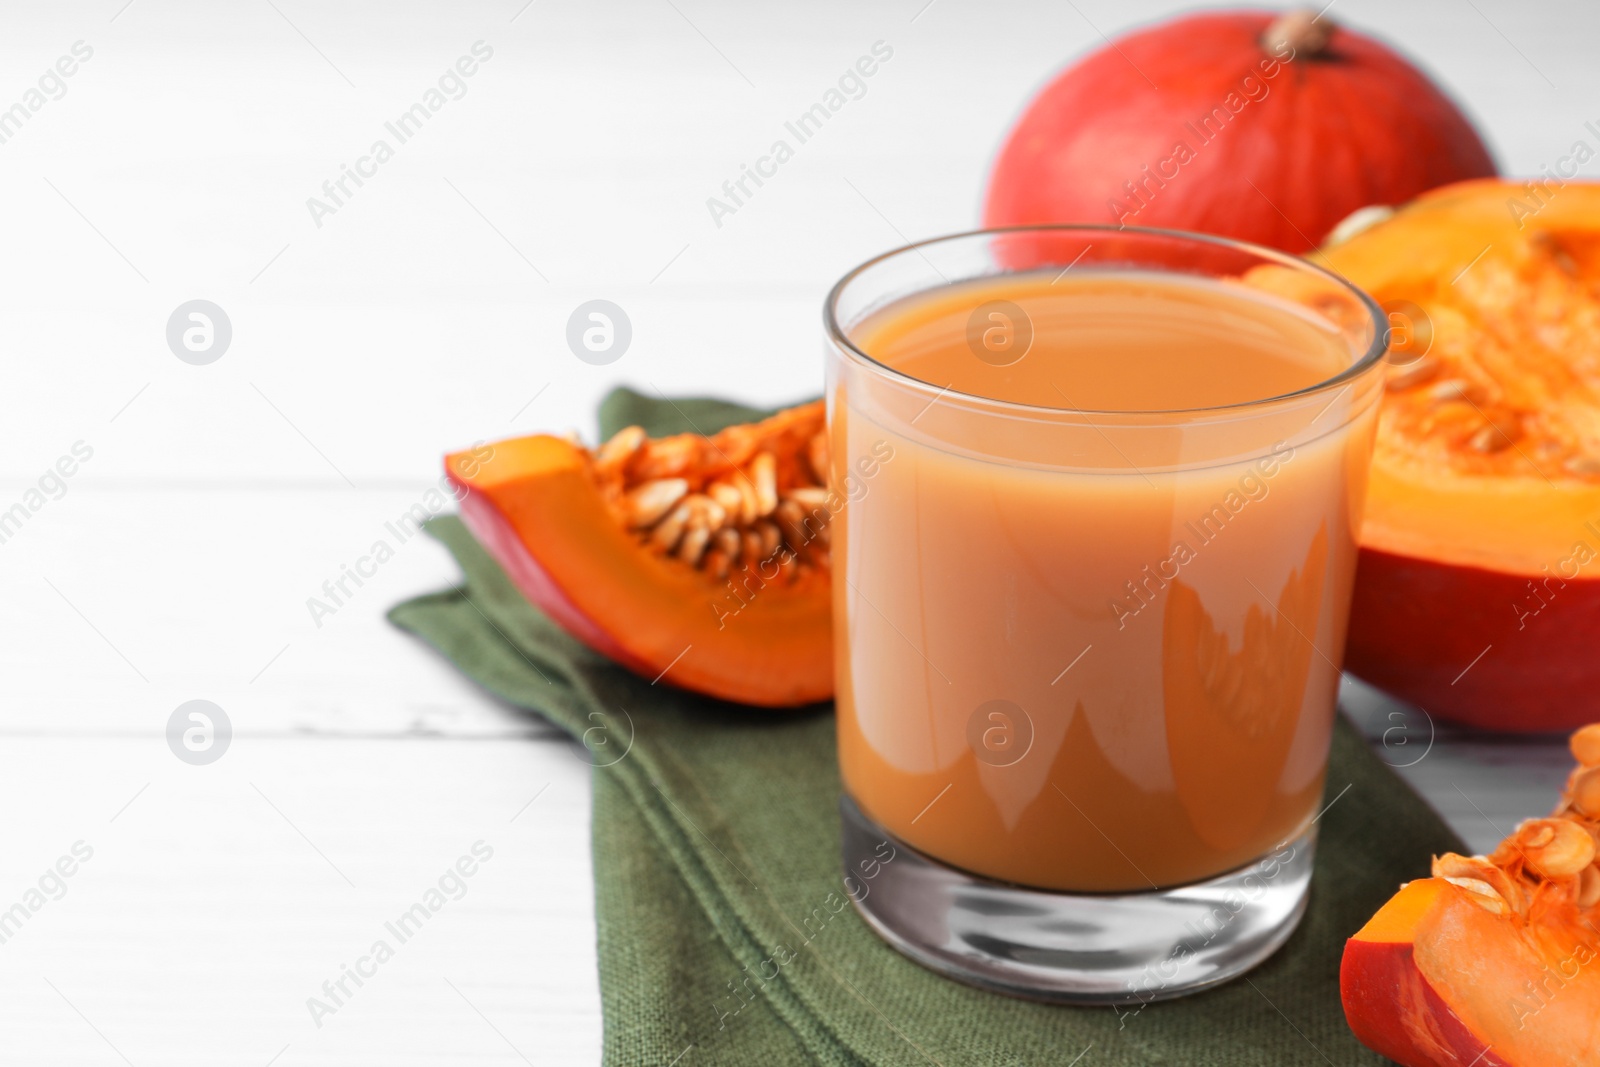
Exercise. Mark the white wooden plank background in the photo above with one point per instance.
(426, 313)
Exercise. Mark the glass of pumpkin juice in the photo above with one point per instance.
(1091, 585)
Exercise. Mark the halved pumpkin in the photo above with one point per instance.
(697, 561)
(1495, 960)
(1478, 594)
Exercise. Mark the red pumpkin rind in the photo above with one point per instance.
(1260, 170)
(1475, 646)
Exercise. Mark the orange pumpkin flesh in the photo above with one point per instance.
(1476, 595)
(1492, 961)
(743, 615)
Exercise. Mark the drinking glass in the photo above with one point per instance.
(1087, 660)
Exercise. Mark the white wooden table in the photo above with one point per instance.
(428, 310)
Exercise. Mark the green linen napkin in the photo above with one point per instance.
(716, 835)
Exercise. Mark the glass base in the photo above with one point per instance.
(1075, 948)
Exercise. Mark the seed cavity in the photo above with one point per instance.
(1412, 374)
(742, 497)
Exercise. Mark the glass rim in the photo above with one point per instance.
(1374, 354)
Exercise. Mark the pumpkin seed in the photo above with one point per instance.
(647, 504)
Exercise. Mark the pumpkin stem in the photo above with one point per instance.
(1298, 34)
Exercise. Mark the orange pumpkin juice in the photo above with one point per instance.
(1098, 654)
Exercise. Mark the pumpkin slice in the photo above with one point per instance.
(1495, 960)
(1478, 594)
(699, 561)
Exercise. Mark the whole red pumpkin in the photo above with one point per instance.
(1264, 128)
